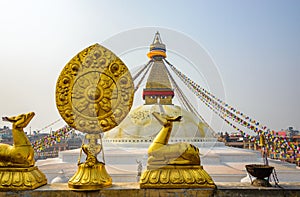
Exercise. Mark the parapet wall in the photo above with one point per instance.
(133, 190)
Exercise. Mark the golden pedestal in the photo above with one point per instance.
(176, 176)
(90, 177)
(12, 178)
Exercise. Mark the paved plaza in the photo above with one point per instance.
(223, 164)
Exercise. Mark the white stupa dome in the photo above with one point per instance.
(141, 124)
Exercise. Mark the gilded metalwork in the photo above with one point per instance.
(162, 153)
(92, 147)
(17, 170)
(91, 174)
(92, 177)
(94, 91)
(176, 177)
(173, 165)
(21, 178)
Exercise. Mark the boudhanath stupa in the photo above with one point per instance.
(140, 127)
(125, 146)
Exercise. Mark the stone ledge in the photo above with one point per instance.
(133, 190)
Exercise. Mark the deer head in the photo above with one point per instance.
(20, 121)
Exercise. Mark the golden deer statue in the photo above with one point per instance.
(173, 165)
(21, 153)
(160, 152)
(17, 160)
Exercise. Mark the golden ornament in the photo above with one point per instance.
(94, 91)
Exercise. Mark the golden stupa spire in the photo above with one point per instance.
(157, 48)
(158, 87)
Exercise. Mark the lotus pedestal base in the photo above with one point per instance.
(21, 178)
(90, 178)
(175, 176)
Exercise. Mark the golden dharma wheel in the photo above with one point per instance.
(94, 91)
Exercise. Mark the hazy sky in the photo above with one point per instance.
(254, 44)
